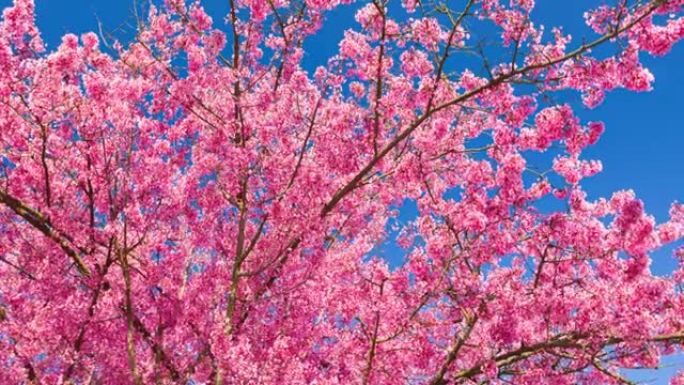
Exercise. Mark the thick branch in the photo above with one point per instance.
(40, 223)
(560, 341)
(157, 349)
(128, 308)
(438, 378)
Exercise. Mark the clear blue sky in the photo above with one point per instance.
(641, 149)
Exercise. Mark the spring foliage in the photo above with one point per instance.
(193, 206)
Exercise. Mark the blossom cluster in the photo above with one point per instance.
(196, 206)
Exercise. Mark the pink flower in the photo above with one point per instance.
(415, 63)
(427, 32)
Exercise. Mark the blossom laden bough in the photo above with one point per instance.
(195, 206)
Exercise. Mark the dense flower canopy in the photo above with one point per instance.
(194, 207)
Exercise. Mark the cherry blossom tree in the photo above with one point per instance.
(193, 206)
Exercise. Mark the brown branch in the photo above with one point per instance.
(101, 286)
(281, 261)
(438, 378)
(239, 256)
(440, 66)
(303, 149)
(614, 376)
(241, 139)
(371, 352)
(378, 84)
(236, 36)
(46, 171)
(40, 223)
(18, 268)
(255, 238)
(423, 301)
(572, 340)
(128, 309)
(156, 348)
(542, 261)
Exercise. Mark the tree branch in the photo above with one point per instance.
(40, 223)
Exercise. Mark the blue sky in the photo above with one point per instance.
(641, 149)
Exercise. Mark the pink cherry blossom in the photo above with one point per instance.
(195, 205)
